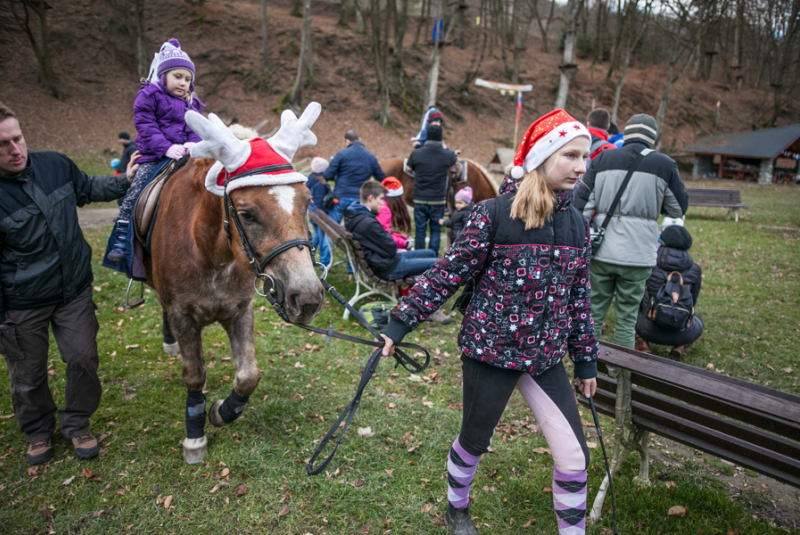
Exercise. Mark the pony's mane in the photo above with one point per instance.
(243, 132)
(486, 174)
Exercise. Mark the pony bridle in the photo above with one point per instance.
(273, 289)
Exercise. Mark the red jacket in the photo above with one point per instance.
(599, 136)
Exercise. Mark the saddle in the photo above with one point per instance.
(146, 207)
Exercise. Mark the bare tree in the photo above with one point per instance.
(682, 48)
(436, 54)
(522, 19)
(22, 11)
(381, 22)
(787, 27)
(142, 61)
(264, 45)
(543, 22)
(568, 66)
(305, 67)
(630, 45)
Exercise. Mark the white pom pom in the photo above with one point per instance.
(517, 172)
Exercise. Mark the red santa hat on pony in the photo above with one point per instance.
(543, 139)
(254, 162)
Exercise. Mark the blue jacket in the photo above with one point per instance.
(319, 188)
(350, 168)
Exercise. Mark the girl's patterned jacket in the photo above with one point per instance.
(531, 306)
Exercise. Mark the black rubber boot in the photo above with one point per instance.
(458, 521)
(117, 253)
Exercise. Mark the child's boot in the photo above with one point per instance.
(458, 521)
(117, 253)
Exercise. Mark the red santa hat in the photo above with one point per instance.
(543, 139)
(253, 162)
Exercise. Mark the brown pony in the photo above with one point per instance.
(481, 182)
(202, 277)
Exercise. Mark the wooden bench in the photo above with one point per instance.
(721, 198)
(747, 424)
(365, 279)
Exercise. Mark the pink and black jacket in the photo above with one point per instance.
(531, 306)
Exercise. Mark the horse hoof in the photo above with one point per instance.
(173, 349)
(213, 414)
(194, 450)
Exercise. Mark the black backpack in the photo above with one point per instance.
(672, 306)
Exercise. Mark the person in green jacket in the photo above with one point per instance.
(46, 280)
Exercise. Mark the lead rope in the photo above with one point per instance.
(349, 412)
(605, 458)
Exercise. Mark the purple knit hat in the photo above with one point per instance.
(172, 57)
(465, 194)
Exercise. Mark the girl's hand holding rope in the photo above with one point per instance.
(587, 386)
(388, 349)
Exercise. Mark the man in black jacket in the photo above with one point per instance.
(46, 279)
(430, 164)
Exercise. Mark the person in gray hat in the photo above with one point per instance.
(624, 260)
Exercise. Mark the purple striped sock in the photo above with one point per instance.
(461, 468)
(569, 501)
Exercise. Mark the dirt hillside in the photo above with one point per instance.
(93, 55)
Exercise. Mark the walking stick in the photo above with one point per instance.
(605, 458)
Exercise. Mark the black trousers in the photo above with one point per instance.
(25, 346)
(487, 390)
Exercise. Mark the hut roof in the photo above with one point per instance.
(761, 144)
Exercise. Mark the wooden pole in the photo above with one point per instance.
(516, 122)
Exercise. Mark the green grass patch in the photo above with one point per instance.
(394, 480)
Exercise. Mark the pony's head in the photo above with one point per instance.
(268, 197)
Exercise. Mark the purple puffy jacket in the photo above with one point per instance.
(158, 117)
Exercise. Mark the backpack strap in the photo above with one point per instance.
(622, 188)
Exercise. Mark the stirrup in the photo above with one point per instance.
(136, 301)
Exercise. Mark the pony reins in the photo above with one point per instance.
(273, 292)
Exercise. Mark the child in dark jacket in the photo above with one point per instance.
(319, 188)
(673, 255)
(528, 253)
(459, 218)
(158, 114)
(380, 249)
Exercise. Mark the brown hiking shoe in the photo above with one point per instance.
(642, 345)
(86, 446)
(677, 353)
(40, 452)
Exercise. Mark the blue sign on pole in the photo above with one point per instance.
(438, 29)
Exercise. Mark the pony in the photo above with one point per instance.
(478, 178)
(203, 267)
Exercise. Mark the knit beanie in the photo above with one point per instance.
(641, 128)
(318, 165)
(124, 135)
(677, 237)
(543, 139)
(394, 186)
(170, 57)
(434, 115)
(434, 132)
(465, 194)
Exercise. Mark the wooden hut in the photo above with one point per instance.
(768, 156)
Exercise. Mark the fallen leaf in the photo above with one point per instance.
(425, 508)
(390, 472)
(97, 514)
(225, 472)
(428, 404)
(530, 523)
(167, 501)
(392, 405)
(591, 445)
(359, 482)
(541, 450)
(241, 490)
(33, 471)
(670, 484)
(226, 377)
(365, 432)
(46, 512)
(677, 510)
(284, 511)
(548, 489)
(68, 481)
(415, 378)
(88, 473)
(787, 370)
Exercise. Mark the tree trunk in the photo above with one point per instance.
(40, 46)
(620, 84)
(360, 26)
(544, 27)
(295, 12)
(141, 42)
(304, 67)
(264, 47)
(568, 66)
(345, 13)
(598, 38)
(785, 59)
(738, 31)
(400, 25)
(517, 40)
(436, 54)
(381, 22)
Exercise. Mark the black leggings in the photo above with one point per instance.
(487, 390)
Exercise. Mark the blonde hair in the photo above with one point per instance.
(534, 202)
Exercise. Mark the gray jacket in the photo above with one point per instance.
(631, 238)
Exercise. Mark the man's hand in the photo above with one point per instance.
(587, 386)
(458, 152)
(130, 172)
(441, 221)
(388, 349)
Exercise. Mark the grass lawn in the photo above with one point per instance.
(390, 478)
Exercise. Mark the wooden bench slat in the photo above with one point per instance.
(706, 383)
(752, 434)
